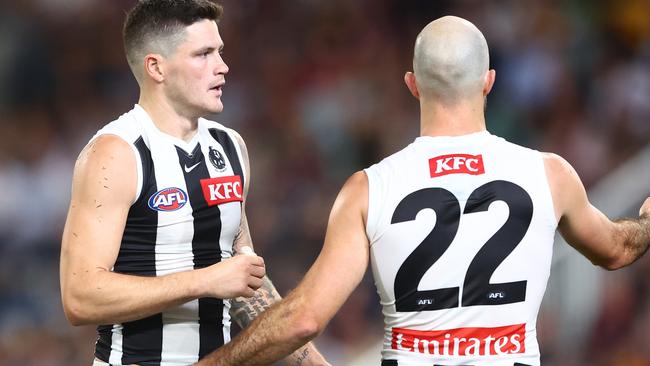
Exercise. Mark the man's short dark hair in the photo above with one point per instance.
(154, 23)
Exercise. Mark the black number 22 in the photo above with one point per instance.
(477, 289)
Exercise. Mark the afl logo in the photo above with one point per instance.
(217, 159)
(168, 199)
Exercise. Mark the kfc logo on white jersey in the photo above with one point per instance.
(222, 190)
(456, 164)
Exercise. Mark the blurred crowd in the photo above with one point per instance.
(315, 88)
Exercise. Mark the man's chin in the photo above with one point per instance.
(213, 109)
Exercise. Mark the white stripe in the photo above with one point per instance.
(226, 321)
(116, 345)
(180, 330)
(230, 215)
(225, 242)
(242, 163)
(181, 334)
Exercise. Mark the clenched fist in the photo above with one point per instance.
(233, 277)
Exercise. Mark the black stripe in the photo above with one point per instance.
(205, 247)
(137, 252)
(229, 148)
(103, 344)
(141, 339)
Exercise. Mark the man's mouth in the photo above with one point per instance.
(217, 88)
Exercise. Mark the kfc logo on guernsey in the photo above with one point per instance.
(456, 164)
(222, 190)
(462, 341)
(168, 199)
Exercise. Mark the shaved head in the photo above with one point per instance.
(450, 59)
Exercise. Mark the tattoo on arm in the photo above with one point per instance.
(243, 237)
(245, 310)
(300, 356)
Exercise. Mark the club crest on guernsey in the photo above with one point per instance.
(217, 159)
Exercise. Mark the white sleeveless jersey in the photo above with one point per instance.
(185, 216)
(461, 232)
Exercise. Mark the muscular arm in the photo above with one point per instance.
(610, 244)
(245, 309)
(103, 189)
(305, 312)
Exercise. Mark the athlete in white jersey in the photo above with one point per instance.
(157, 209)
(458, 228)
(461, 231)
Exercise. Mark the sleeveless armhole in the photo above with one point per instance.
(238, 148)
(138, 167)
(374, 195)
(546, 188)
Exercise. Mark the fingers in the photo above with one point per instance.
(253, 259)
(258, 271)
(255, 283)
(257, 260)
(645, 208)
(249, 292)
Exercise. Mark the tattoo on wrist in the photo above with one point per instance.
(301, 357)
(245, 310)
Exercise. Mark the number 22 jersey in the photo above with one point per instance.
(461, 232)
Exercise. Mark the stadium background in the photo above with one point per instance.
(315, 87)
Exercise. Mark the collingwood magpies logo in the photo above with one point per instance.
(217, 159)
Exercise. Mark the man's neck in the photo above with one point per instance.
(168, 119)
(463, 118)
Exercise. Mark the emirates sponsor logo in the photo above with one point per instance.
(456, 164)
(462, 341)
(222, 190)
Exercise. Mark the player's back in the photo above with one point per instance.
(461, 232)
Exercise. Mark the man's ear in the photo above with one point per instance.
(488, 83)
(409, 79)
(153, 66)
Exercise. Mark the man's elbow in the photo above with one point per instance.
(308, 327)
(611, 265)
(617, 259)
(75, 312)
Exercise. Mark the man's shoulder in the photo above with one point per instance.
(392, 159)
(504, 143)
(126, 126)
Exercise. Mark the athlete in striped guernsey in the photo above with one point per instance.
(157, 219)
(458, 228)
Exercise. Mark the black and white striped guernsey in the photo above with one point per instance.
(185, 216)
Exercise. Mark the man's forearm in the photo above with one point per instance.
(106, 297)
(244, 311)
(271, 337)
